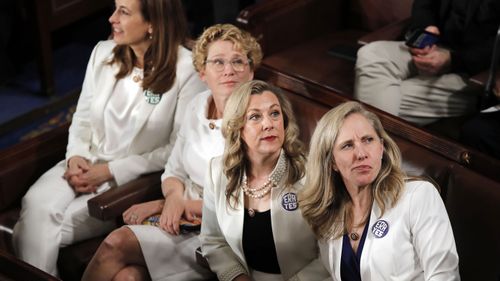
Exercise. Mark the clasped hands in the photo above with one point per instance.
(172, 209)
(431, 60)
(85, 177)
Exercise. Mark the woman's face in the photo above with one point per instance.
(222, 82)
(128, 25)
(357, 152)
(264, 131)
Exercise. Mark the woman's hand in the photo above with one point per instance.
(193, 209)
(96, 175)
(137, 213)
(77, 166)
(84, 177)
(172, 211)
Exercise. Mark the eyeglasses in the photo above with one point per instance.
(220, 64)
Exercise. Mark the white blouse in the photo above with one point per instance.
(122, 110)
(196, 144)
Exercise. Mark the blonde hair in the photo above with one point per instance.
(235, 158)
(324, 201)
(241, 40)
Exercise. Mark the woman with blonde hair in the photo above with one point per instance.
(252, 228)
(372, 221)
(224, 57)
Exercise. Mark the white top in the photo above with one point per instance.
(411, 241)
(146, 138)
(196, 143)
(122, 110)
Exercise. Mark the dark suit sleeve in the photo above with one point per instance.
(424, 13)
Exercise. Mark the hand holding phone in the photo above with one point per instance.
(420, 39)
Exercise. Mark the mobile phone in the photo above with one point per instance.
(420, 39)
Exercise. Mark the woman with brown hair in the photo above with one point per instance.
(225, 57)
(135, 91)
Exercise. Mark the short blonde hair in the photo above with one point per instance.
(324, 199)
(241, 39)
(235, 158)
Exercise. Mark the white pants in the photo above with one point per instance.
(52, 216)
(387, 79)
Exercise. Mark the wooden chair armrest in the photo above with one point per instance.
(23, 163)
(112, 203)
(278, 24)
(12, 268)
(480, 78)
(389, 32)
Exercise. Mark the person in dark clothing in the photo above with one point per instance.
(423, 85)
(483, 131)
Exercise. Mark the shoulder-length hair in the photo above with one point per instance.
(241, 40)
(169, 24)
(235, 158)
(325, 201)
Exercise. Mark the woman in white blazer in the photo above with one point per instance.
(133, 98)
(373, 222)
(225, 57)
(252, 228)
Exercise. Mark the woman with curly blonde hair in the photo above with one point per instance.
(224, 57)
(252, 228)
(373, 222)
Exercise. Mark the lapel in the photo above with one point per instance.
(105, 81)
(364, 263)
(145, 110)
(231, 221)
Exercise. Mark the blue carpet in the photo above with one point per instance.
(21, 96)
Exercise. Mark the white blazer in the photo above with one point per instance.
(411, 241)
(222, 232)
(154, 134)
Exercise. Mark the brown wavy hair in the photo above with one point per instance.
(169, 24)
(324, 201)
(235, 158)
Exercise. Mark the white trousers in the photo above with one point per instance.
(53, 216)
(387, 79)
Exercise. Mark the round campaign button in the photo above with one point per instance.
(289, 201)
(380, 228)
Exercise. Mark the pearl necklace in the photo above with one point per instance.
(272, 181)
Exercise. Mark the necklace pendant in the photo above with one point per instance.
(354, 236)
(136, 78)
(251, 212)
(211, 125)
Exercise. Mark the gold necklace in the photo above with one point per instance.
(137, 75)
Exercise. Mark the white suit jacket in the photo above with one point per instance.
(411, 241)
(222, 232)
(154, 133)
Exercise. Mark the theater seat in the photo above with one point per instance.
(22, 164)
